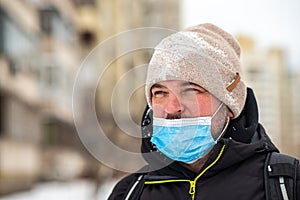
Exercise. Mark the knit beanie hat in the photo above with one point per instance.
(205, 55)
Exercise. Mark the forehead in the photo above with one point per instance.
(175, 84)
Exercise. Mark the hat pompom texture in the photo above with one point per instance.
(205, 55)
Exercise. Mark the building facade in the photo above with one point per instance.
(267, 73)
(38, 58)
(43, 44)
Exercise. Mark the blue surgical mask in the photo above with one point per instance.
(185, 140)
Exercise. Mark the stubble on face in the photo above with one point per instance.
(219, 121)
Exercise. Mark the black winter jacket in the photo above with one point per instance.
(234, 171)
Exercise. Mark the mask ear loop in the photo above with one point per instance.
(224, 129)
(226, 125)
(220, 106)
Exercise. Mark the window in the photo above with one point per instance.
(84, 2)
(17, 45)
(51, 76)
(46, 17)
(50, 132)
(2, 114)
(1, 32)
(54, 25)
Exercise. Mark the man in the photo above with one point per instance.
(201, 135)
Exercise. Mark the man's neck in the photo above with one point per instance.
(197, 165)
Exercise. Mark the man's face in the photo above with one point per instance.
(181, 99)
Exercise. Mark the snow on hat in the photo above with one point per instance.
(205, 55)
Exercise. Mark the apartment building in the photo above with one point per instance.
(43, 44)
(294, 115)
(38, 58)
(267, 73)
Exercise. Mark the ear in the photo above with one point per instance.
(229, 113)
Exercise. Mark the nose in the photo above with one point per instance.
(173, 106)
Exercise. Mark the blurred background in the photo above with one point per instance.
(44, 42)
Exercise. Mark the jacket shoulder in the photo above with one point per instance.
(122, 187)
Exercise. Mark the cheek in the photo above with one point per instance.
(194, 108)
(158, 110)
(202, 106)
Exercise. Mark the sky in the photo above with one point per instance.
(268, 22)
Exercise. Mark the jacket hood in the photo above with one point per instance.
(244, 138)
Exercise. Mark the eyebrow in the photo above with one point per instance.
(157, 85)
(189, 83)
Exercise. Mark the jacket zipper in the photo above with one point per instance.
(193, 183)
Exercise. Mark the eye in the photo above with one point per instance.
(194, 90)
(159, 93)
